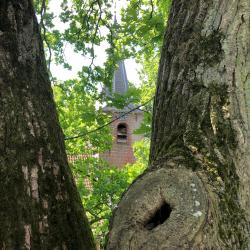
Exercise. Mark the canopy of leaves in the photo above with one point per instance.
(101, 186)
(78, 115)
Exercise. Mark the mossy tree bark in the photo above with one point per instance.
(195, 194)
(39, 204)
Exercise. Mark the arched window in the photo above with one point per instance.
(122, 133)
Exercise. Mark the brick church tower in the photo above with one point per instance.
(123, 128)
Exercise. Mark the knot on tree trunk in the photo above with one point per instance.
(163, 209)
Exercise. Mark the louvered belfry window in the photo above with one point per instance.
(122, 133)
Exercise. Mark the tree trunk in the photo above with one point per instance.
(195, 194)
(39, 204)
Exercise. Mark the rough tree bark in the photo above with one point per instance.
(39, 205)
(195, 194)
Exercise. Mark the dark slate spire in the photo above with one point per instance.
(120, 80)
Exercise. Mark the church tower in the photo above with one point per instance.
(123, 128)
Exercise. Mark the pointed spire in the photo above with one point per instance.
(120, 80)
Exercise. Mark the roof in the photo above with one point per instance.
(126, 109)
(120, 80)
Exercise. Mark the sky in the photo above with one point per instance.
(77, 60)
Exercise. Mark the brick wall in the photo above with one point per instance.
(122, 152)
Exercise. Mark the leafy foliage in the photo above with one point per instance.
(103, 185)
(78, 115)
(142, 27)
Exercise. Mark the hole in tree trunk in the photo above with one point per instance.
(159, 217)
